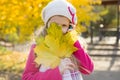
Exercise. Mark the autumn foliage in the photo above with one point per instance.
(20, 18)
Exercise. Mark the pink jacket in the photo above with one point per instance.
(31, 72)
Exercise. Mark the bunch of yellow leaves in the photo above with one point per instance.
(54, 46)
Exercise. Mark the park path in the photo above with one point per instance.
(106, 57)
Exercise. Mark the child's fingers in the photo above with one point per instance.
(69, 68)
(66, 64)
(71, 65)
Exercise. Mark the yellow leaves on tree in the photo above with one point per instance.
(85, 12)
(54, 46)
(23, 15)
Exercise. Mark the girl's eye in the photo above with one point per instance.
(70, 27)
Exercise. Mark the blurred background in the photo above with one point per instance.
(98, 24)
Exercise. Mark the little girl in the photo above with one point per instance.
(64, 14)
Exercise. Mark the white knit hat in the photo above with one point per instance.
(59, 7)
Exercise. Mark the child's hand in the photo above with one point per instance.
(66, 64)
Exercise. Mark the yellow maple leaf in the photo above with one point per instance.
(54, 46)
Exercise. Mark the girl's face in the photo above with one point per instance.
(62, 21)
